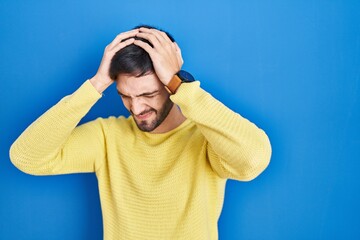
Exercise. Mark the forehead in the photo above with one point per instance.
(132, 85)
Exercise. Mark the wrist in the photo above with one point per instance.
(179, 78)
(99, 85)
(173, 84)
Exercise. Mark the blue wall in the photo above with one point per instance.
(292, 67)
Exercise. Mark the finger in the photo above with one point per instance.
(150, 37)
(178, 53)
(165, 36)
(122, 36)
(123, 44)
(145, 46)
(177, 47)
(160, 35)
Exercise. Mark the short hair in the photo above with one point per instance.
(132, 59)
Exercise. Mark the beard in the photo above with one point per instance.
(160, 116)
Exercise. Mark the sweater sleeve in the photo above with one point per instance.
(236, 148)
(54, 145)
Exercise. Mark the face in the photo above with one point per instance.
(146, 99)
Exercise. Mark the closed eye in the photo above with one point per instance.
(123, 96)
(147, 95)
(150, 96)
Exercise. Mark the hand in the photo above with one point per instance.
(165, 55)
(102, 80)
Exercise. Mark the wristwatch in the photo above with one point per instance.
(179, 78)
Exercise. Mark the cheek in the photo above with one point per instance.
(158, 102)
(151, 103)
(126, 103)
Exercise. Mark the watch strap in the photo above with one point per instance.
(174, 84)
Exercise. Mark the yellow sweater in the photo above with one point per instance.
(152, 186)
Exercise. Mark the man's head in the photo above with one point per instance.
(132, 59)
(139, 87)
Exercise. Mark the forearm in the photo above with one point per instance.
(100, 84)
(42, 142)
(237, 148)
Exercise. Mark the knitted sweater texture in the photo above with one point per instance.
(152, 186)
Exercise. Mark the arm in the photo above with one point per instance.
(236, 148)
(53, 144)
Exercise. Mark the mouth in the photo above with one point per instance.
(144, 116)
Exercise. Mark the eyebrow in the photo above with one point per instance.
(140, 95)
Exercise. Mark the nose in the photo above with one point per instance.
(137, 106)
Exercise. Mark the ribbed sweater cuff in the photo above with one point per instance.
(187, 93)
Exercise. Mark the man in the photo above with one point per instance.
(162, 171)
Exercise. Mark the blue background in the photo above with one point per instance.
(292, 67)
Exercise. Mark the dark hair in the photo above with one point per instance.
(133, 59)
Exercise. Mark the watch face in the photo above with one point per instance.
(185, 76)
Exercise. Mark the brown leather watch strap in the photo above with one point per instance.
(174, 84)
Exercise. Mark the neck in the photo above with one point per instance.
(174, 119)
